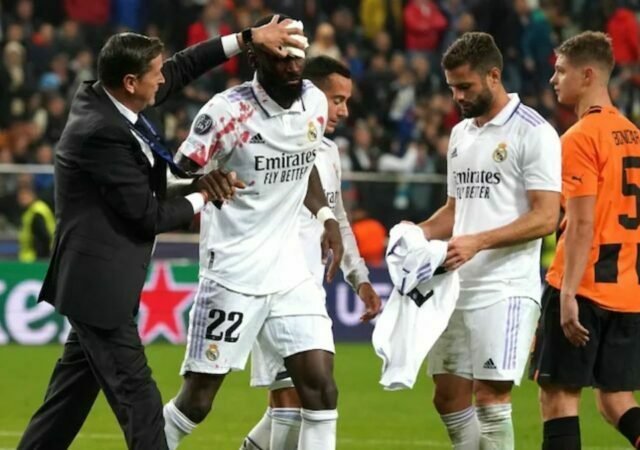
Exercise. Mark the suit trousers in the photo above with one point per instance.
(112, 360)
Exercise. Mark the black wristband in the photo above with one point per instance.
(247, 36)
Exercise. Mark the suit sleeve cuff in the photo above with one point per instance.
(197, 201)
(230, 45)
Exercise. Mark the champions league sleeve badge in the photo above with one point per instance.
(500, 153)
(312, 132)
(203, 124)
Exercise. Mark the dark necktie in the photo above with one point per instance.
(150, 136)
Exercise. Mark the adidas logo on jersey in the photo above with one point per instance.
(454, 153)
(488, 364)
(256, 139)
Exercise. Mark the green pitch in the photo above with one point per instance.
(370, 418)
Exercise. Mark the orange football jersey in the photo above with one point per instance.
(601, 158)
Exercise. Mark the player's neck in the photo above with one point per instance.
(499, 102)
(597, 97)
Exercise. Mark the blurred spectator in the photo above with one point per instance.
(70, 39)
(424, 26)
(499, 19)
(82, 69)
(95, 12)
(459, 19)
(42, 48)
(345, 30)
(212, 24)
(536, 47)
(23, 16)
(370, 235)
(128, 14)
(93, 16)
(623, 28)
(56, 118)
(324, 43)
(58, 78)
(19, 84)
(382, 44)
(43, 182)
(374, 86)
(355, 61)
(381, 15)
(15, 33)
(248, 14)
(37, 226)
(364, 155)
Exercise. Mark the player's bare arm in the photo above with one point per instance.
(440, 224)
(331, 239)
(578, 238)
(541, 220)
(350, 262)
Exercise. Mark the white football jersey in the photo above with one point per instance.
(490, 169)
(251, 244)
(353, 267)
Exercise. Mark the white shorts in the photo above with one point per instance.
(224, 325)
(491, 343)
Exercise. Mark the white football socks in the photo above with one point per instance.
(496, 427)
(259, 436)
(176, 425)
(318, 430)
(463, 429)
(285, 428)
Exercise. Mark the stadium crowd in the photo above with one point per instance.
(401, 111)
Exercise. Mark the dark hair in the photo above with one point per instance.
(477, 49)
(588, 47)
(126, 53)
(318, 69)
(266, 19)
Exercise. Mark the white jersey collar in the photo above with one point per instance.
(505, 113)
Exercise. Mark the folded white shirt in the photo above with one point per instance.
(419, 308)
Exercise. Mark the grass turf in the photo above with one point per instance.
(370, 418)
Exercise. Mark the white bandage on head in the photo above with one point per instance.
(293, 51)
(325, 214)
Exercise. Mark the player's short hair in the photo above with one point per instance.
(266, 19)
(126, 53)
(589, 47)
(319, 69)
(477, 49)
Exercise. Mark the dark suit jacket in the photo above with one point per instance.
(109, 203)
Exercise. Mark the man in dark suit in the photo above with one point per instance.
(110, 182)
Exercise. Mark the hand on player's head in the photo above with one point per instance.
(275, 36)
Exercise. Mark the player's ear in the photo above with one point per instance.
(588, 75)
(495, 76)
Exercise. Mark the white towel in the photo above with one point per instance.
(419, 308)
(293, 51)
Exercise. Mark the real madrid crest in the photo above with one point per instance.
(500, 153)
(312, 133)
(212, 352)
